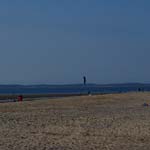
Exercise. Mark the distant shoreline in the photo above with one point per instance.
(12, 97)
(11, 91)
(29, 97)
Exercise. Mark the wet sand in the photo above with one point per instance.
(100, 122)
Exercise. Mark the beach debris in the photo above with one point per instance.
(145, 105)
(7, 100)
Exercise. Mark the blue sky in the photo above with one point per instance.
(59, 41)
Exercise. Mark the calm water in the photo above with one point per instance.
(71, 89)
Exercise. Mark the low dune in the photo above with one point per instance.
(100, 122)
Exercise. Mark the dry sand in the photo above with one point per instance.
(104, 122)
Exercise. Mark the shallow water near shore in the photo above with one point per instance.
(72, 89)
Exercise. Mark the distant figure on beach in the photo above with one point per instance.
(140, 89)
(84, 80)
(20, 98)
(145, 104)
(89, 93)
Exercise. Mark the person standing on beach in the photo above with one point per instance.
(84, 80)
(20, 98)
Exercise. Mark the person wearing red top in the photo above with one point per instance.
(20, 98)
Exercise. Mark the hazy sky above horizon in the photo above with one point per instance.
(60, 41)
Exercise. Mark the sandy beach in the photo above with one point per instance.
(100, 122)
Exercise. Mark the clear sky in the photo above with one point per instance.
(60, 41)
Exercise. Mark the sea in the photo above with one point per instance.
(73, 89)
